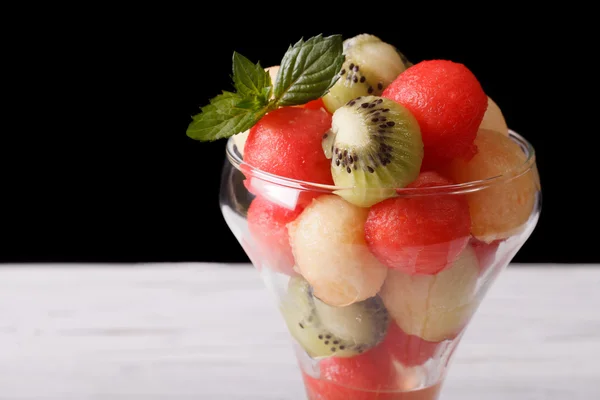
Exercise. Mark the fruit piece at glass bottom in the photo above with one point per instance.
(267, 225)
(287, 142)
(320, 389)
(449, 104)
(421, 234)
(373, 371)
(493, 118)
(240, 138)
(379, 369)
(503, 208)
(329, 247)
(434, 307)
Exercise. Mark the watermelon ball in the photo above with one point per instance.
(372, 370)
(325, 390)
(287, 142)
(421, 234)
(362, 377)
(376, 369)
(369, 376)
(267, 225)
(449, 104)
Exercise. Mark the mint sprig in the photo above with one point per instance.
(227, 114)
(307, 71)
(249, 79)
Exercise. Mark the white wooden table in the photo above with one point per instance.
(206, 331)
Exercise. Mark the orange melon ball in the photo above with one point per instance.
(501, 209)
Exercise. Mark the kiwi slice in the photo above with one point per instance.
(351, 83)
(377, 147)
(370, 66)
(328, 139)
(323, 330)
(364, 322)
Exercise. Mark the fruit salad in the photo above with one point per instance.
(384, 196)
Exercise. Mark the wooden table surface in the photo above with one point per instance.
(208, 331)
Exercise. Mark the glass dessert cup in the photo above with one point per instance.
(372, 317)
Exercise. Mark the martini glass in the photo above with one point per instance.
(399, 343)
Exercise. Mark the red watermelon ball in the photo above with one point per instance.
(267, 224)
(421, 234)
(363, 377)
(287, 142)
(373, 375)
(318, 389)
(448, 102)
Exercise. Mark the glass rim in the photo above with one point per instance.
(517, 171)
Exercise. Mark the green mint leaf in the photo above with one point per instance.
(266, 92)
(224, 101)
(308, 70)
(226, 115)
(251, 103)
(250, 79)
(233, 112)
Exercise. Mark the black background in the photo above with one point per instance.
(99, 168)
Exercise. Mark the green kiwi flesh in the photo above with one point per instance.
(377, 148)
(323, 330)
(370, 66)
(351, 83)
